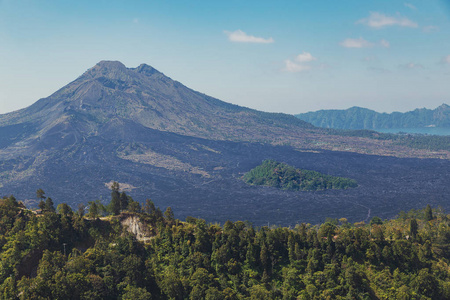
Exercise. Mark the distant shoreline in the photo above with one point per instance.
(421, 130)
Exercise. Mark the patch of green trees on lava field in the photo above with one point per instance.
(283, 176)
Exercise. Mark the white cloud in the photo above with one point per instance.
(293, 67)
(378, 20)
(430, 28)
(409, 5)
(446, 60)
(385, 44)
(300, 63)
(356, 43)
(304, 57)
(241, 37)
(411, 66)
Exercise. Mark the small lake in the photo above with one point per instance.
(423, 130)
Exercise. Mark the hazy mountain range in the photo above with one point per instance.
(164, 141)
(363, 118)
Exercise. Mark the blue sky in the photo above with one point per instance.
(278, 56)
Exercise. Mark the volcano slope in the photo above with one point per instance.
(186, 150)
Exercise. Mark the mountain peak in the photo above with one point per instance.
(108, 69)
(111, 64)
(118, 71)
(146, 69)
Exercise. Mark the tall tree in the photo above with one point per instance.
(413, 228)
(115, 186)
(93, 211)
(124, 201)
(114, 205)
(40, 194)
(134, 206)
(49, 206)
(42, 205)
(81, 209)
(149, 207)
(169, 214)
(428, 213)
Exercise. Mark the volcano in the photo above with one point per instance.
(161, 140)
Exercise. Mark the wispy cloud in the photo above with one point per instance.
(239, 36)
(385, 44)
(305, 57)
(409, 5)
(293, 67)
(411, 66)
(356, 43)
(445, 60)
(299, 64)
(378, 20)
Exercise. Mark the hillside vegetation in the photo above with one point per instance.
(63, 255)
(283, 176)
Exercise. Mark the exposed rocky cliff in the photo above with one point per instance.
(137, 226)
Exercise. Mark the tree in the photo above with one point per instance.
(159, 215)
(115, 187)
(81, 209)
(426, 284)
(41, 205)
(114, 205)
(134, 206)
(376, 220)
(428, 213)
(413, 227)
(123, 201)
(169, 214)
(64, 209)
(149, 207)
(40, 194)
(135, 293)
(49, 206)
(93, 211)
(12, 201)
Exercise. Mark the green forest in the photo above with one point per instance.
(64, 254)
(283, 176)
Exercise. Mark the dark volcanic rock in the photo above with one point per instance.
(183, 149)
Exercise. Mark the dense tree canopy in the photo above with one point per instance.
(283, 176)
(196, 260)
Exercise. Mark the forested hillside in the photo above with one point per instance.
(61, 254)
(363, 118)
(283, 176)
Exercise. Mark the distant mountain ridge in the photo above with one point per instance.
(363, 118)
